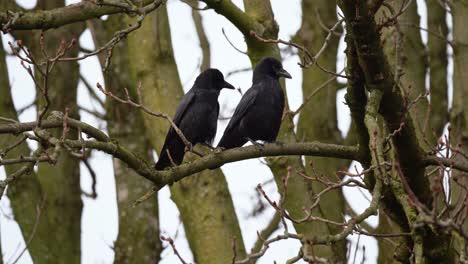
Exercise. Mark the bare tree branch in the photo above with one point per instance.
(45, 19)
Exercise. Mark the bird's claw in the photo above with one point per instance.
(189, 147)
(257, 145)
(218, 149)
(208, 146)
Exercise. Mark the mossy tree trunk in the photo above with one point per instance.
(25, 193)
(299, 189)
(438, 62)
(356, 99)
(389, 102)
(315, 125)
(259, 17)
(202, 37)
(204, 201)
(459, 112)
(407, 56)
(138, 236)
(60, 183)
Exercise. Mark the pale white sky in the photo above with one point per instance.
(99, 221)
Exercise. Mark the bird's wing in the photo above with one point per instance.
(172, 141)
(184, 104)
(247, 100)
(181, 110)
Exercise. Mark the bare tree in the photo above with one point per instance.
(416, 175)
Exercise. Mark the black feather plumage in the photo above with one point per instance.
(258, 114)
(196, 116)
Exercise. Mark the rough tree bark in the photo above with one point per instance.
(299, 194)
(356, 99)
(202, 38)
(428, 246)
(314, 125)
(259, 17)
(438, 61)
(60, 183)
(204, 201)
(459, 112)
(408, 59)
(138, 236)
(25, 193)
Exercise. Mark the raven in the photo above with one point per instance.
(258, 114)
(196, 116)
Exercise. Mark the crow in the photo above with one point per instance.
(258, 114)
(196, 117)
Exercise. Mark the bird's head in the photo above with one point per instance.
(212, 79)
(271, 67)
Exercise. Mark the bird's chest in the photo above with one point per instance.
(201, 122)
(266, 112)
(269, 105)
(203, 115)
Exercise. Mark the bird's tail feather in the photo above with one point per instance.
(232, 140)
(176, 149)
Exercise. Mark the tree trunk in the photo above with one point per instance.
(138, 237)
(299, 193)
(203, 200)
(315, 125)
(202, 38)
(61, 182)
(62, 205)
(429, 246)
(437, 49)
(408, 58)
(459, 112)
(25, 192)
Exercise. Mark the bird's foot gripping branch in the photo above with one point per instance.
(98, 140)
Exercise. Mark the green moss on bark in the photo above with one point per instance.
(25, 192)
(406, 150)
(61, 182)
(315, 125)
(212, 224)
(138, 235)
(459, 112)
(438, 61)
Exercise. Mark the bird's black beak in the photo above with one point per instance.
(283, 73)
(228, 85)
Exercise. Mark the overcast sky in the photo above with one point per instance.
(99, 220)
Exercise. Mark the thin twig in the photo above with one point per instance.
(171, 242)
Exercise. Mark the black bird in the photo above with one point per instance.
(196, 116)
(258, 114)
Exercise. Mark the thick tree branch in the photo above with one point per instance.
(202, 38)
(438, 61)
(54, 122)
(214, 159)
(378, 76)
(238, 18)
(46, 19)
(268, 150)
